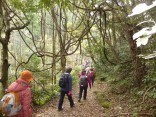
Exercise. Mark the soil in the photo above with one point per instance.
(91, 107)
(86, 108)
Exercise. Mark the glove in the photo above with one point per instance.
(70, 93)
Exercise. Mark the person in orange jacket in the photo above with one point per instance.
(23, 86)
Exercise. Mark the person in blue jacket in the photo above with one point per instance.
(67, 90)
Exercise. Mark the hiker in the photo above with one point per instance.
(84, 80)
(23, 86)
(91, 73)
(81, 72)
(67, 90)
(87, 64)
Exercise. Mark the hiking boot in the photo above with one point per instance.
(60, 109)
(72, 106)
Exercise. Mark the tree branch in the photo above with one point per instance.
(20, 27)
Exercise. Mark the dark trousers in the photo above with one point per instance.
(62, 94)
(92, 80)
(84, 93)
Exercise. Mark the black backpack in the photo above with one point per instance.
(83, 81)
(63, 81)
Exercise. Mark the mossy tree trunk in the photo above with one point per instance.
(139, 70)
(5, 64)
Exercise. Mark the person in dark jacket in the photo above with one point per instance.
(84, 86)
(67, 90)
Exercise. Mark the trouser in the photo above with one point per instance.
(84, 94)
(62, 94)
(92, 80)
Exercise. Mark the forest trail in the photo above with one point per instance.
(85, 108)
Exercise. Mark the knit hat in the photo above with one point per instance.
(26, 75)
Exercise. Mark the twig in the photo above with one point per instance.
(143, 99)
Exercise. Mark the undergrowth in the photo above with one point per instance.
(120, 79)
(105, 102)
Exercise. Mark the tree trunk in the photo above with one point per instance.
(4, 41)
(53, 59)
(5, 66)
(139, 66)
(62, 44)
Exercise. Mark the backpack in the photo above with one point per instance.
(63, 81)
(10, 104)
(83, 81)
(92, 74)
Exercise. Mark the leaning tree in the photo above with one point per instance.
(10, 21)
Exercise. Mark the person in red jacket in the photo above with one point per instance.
(92, 75)
(83, 85)
(23, 86)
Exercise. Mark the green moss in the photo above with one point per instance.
(103, 100)
(106, 104)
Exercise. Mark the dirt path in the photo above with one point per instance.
(85, 108)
